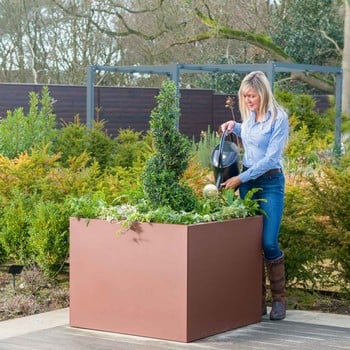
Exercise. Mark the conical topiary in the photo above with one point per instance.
(163, 171)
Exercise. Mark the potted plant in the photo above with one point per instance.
(175, 270)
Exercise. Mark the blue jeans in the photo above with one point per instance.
(272, 191)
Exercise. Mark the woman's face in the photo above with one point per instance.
(252, 99)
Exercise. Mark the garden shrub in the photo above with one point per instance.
(161, 177)
(307, 232)
(15, 219)
(304, 150)
(197, 177)
(44, 179)
(122, 185)
(302, 106)
(301, 238)
(76, 138)
(20, 132)
(35, 202)
(49, 235)
(132, 148)
(31, 180)
(330, 192)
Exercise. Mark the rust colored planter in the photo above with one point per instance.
(173, 282)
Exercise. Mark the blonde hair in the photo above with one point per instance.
(259, 82)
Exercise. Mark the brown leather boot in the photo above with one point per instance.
(276, 273)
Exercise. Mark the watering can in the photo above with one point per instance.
(225, 160)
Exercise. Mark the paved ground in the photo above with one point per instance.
(300, 330)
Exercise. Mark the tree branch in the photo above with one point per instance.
(259, 40)
(109, 32)
(338, 49)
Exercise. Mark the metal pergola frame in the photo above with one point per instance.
(173, 71)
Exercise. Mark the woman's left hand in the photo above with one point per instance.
(232, 182)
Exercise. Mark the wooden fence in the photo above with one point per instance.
(127, 107)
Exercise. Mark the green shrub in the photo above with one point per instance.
(33, 214)
(76, 138)
(301, 239)
(15, 220)
(131, 148)
(20, 132)
(315, 230)
(302, 106)
(49, 235)
(3, 253)
(163, 171)
(330, 192)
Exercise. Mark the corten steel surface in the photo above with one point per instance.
(173, 282)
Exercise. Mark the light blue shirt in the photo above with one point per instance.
(263, 143)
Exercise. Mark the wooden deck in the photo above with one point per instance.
(301, 330)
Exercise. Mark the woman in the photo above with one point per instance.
(264, 132)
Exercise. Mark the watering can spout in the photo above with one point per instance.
(218, 181)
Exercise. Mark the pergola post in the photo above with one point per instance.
(175, 70)
(90, 96)
(338, 113)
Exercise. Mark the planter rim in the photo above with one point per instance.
(165, 223)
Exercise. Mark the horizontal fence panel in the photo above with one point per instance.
(124, 107)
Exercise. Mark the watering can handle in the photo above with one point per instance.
(221, 146)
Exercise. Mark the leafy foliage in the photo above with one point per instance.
(132, 148)
(92, 175)
(49, 235)
(172, 151)
(204, 147)
(302, 108)
(20, 132)
(300, 238)
(330, 191)
(311, 134)
(226, 206)
(76, 138)
(303, 31)
(34, 215)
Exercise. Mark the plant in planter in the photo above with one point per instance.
(165, 168)
(176, 271)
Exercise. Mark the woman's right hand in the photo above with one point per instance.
(227, 126)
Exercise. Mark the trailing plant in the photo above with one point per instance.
(226, 205)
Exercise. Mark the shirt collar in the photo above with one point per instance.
(267, 116)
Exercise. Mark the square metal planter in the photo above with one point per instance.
(166, 281)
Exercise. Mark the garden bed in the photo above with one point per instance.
(31, 293)
(46, 296)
